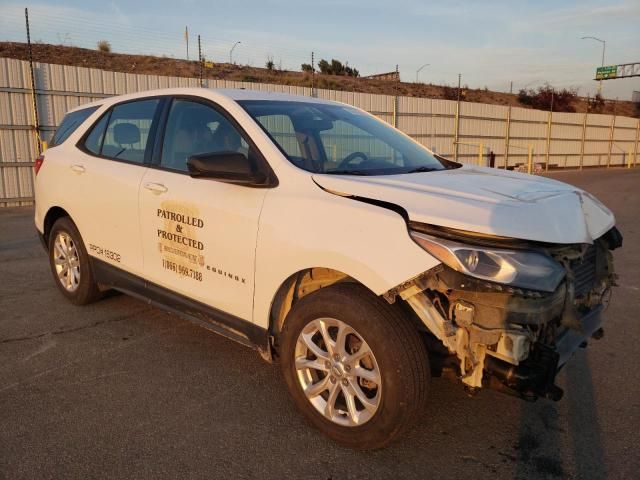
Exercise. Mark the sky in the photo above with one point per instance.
(490, 43)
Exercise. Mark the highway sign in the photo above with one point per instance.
(625, 70)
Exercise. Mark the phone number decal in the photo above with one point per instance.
(182, 270)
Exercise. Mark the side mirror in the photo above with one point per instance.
(231, 167)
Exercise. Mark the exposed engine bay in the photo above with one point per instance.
(510, 338)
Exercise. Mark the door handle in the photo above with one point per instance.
(77, 168)
(156, 188)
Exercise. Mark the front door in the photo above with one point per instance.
(199, 235)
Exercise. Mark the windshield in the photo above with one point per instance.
(338, 139)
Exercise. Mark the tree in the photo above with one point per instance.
(306, 67)
(325, 67)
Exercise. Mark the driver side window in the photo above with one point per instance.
(193, 128)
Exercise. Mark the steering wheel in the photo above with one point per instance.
(351, 157)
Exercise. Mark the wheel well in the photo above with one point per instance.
(306, 281)
(298, 285)
(50, 218)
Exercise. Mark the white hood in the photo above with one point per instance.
(486, 200)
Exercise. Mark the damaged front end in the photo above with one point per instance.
(509, 313)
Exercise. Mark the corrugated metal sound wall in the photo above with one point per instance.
(562, 139)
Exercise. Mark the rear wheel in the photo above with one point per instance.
(354, 365)
(69, 263)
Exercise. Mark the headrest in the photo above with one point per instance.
(126, 133)
(227, 138)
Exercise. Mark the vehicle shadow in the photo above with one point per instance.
(560, 440)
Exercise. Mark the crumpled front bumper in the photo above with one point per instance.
(491, 349)
(536, 376)
(568, 341)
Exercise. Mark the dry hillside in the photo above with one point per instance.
(142, 64)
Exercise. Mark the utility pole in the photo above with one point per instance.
(549, 127)
(584, 132)
(34, 103)
(313, 75)
(395, 101)
(457, 122)
(511, 87)
(200, 59)
(507, 139)
(186, 37)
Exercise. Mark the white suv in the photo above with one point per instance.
(323, 237)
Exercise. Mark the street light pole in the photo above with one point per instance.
(231, 52)
(418, 71)
(604, 45)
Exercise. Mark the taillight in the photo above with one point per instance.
(38, 163)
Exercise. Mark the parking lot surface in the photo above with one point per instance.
(121, 389)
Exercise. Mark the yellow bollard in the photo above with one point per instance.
(480, 151)
(530, 159)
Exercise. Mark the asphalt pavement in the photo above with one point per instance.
(119, 389)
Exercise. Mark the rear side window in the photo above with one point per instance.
(94, 140)
(70, 123)
(123, 133)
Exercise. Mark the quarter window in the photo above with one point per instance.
(94, 140)
(69, 124)
(127, 131)
(194, 128)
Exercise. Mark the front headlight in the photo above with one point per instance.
(519, 268)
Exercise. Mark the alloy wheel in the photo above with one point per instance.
(338, 372)
(66, 261)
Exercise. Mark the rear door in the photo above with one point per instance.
(107, 170)
(199, 235)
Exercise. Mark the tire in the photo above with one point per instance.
(67, 251)
(397, 369)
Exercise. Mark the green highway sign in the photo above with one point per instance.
(604, 73)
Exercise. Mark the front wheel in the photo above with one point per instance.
(354, 365)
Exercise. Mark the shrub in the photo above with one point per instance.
(104, 46)
(270, 65)
(337, 68)
(449, 93)
(595, 104)
(546, 95)
(306, 68)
